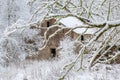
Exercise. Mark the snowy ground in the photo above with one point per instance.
(53, 70)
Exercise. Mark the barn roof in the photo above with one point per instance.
(72, 22)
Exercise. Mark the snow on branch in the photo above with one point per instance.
(47, 39)
(115, 23)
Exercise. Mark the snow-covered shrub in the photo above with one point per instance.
(18, 41)
(10, 50)
(67, 47)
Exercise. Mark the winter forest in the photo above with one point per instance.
(59, 39)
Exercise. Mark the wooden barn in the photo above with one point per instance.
(50, 50)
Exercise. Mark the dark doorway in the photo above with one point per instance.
(53, 52)
(118, 48)
(48, 23)
(82, 38)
